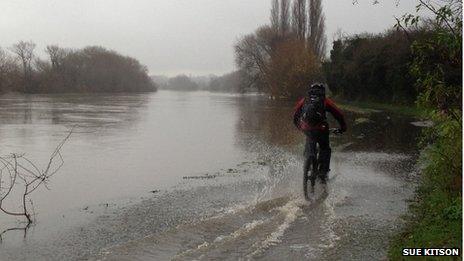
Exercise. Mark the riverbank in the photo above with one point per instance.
(366, 107)
(435, 213)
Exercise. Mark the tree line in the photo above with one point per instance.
(90, 69)
(229, 82)
(373, 67)
(283, 57)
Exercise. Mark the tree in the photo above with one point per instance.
(284, 17)
(437, 63)
(372, 67)
(291, 69)
(56, 55)
(231, 82)
(9, 72)
(316, 28)
(275, 13)
(277, 59)
(253, 54)
(280, 66)
(299, 21)
(25, 52)
(437, 68)
(182, 83)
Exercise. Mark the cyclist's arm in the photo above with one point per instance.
(336, 113)
(297, 113)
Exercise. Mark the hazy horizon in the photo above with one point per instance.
(172, 37)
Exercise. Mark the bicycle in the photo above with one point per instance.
(314, 169)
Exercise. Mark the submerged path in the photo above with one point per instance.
(250, 208)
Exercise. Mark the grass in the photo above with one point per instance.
(372, 107)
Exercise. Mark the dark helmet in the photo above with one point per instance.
(316, 89)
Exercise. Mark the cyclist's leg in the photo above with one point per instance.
(310, 151)
(324, 154)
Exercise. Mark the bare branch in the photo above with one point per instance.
(20, 167)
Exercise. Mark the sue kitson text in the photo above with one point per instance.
(431, 252)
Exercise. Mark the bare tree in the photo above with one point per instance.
(284, 17)
(254, 52)
(25, 52)
(275, 13)
(56, 55)
(252, 57)
(9, 71)
(4, 61)
(3, 65)
(316, 27)
(299, 23)
(18, 174)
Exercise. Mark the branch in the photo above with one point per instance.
(30, 175)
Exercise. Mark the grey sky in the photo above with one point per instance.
(171, 36)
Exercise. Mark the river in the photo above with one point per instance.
(204, 176)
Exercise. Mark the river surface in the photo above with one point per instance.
(202, 176)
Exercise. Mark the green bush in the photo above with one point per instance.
(435, 217)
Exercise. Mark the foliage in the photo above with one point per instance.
(436, 215)
(92, 69)
(372, 68)
(437, 63)
(435, 218)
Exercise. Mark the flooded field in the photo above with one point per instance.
(202, 176)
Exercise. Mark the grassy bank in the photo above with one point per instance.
(369, 107)
(435, 214)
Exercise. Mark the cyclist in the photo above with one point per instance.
(310, 118)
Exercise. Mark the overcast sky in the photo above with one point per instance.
(171, 36)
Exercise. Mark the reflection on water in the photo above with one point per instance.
(123, 146)
(176, 159)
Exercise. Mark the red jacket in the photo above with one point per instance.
(329, 106)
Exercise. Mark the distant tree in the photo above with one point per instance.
(9, 72)
(285, 18)
(253, 53)
(280, 66)
(275, 15)
(280, 59)
(182, 83)
(56, 55)
(316, 30)
(92, 69)
(25, 52)
(292, 67)
(231, 82)
(299, 21)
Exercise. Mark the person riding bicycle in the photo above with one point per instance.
(310, 118)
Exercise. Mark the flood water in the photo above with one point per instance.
(176, 175)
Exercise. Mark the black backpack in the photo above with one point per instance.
(313, 111)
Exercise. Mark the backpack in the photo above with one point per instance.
(313, 110)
